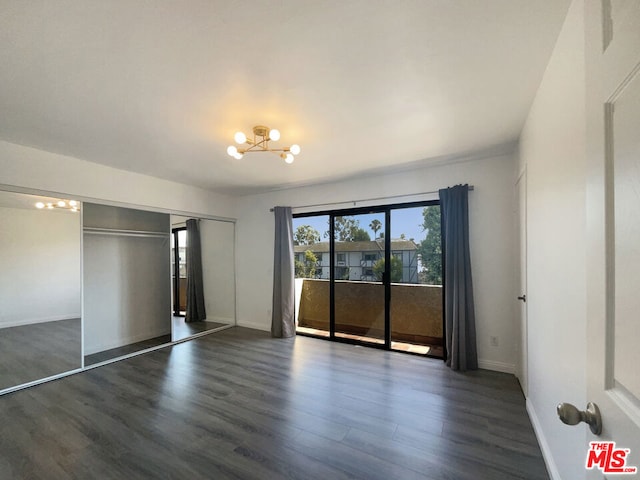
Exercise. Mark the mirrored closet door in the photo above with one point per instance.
(216, 266)
(40, 287)
(119, 269)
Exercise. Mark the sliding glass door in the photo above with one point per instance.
(359, 277)
(416, 319)
(179, 270)
(371, 276)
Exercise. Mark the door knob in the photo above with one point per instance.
(523, 298)
(572, 416)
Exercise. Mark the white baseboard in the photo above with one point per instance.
(31, 321)
(552, 469)
(226, 320)
(123, 341)
(497, 366)
(255, 326)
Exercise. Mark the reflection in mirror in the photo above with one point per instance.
(126, 281)
(218, 280)
(40, 289)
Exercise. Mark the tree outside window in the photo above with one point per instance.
(396, 269)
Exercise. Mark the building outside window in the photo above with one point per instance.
(355, 261)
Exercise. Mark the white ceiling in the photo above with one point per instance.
(160, 87)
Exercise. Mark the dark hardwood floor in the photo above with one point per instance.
(126, 349)
(39, 350)
(238, 404)
(180, 330)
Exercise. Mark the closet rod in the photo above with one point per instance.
(368, 199)
(124, 233)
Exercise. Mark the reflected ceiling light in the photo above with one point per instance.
(70, 205)
(261, 137)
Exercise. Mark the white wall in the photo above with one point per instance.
(552, 146)
(218, 270)
(491, 236)
(37, 169)
(40, 266)
(126, 291)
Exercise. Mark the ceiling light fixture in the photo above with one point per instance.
(261, 137)
(70, 205)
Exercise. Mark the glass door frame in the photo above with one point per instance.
(386, 279)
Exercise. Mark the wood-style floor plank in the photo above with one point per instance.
(39, 350)
(238, 404)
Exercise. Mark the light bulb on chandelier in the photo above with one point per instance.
(260, 143)
(274, 135)
(68, 205)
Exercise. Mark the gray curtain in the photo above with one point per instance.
(195, 287)
(458, 289)
(283, 317)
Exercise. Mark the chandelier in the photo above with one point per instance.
(70, 205)
(261, 137)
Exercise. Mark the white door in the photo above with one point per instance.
(521, 335)
(613, 223)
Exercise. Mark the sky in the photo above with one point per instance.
(403, 220)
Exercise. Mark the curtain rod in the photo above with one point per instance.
(368, 199)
